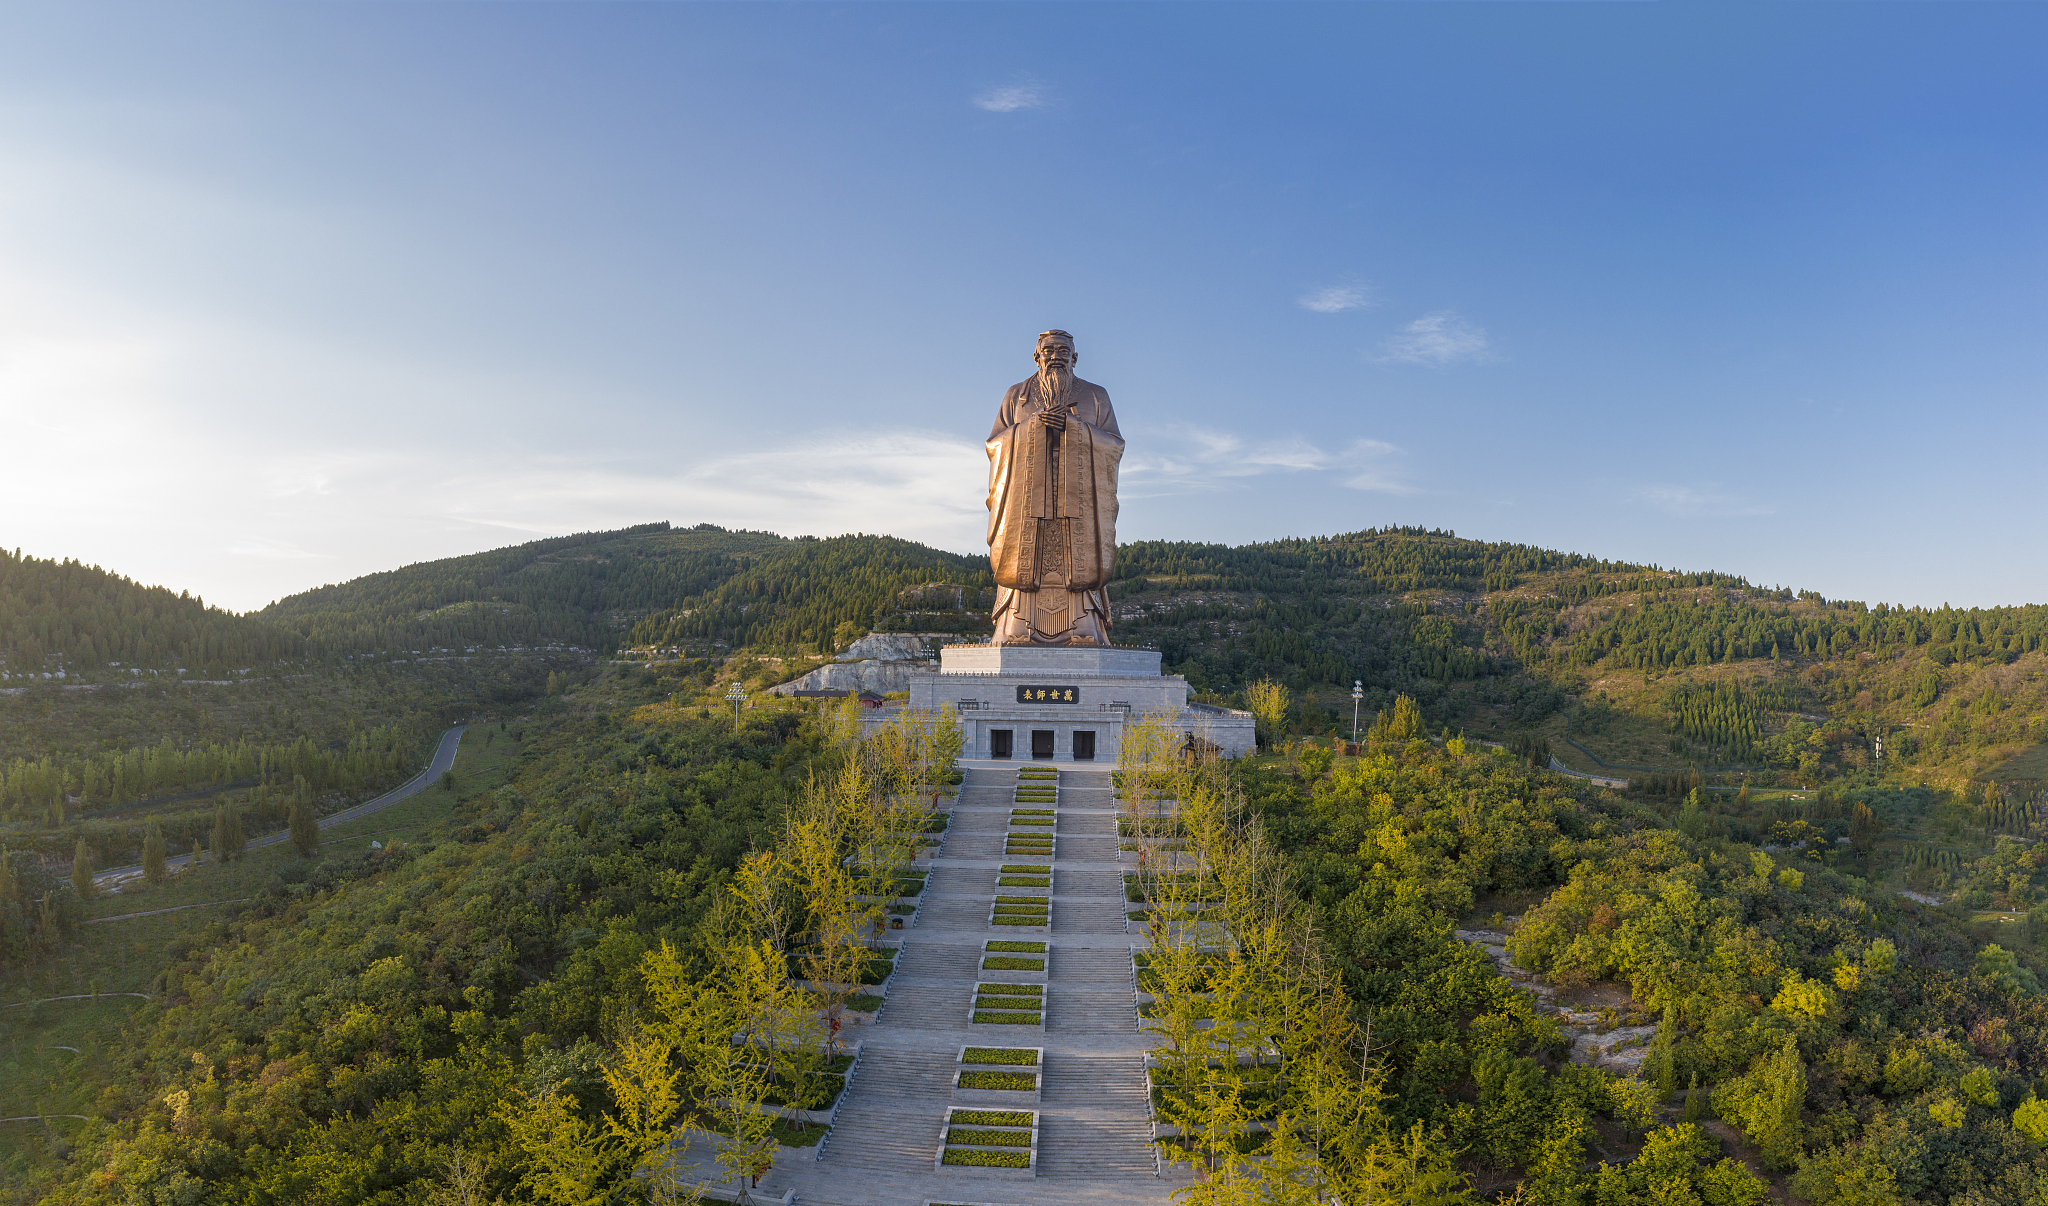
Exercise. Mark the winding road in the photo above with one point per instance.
(443, 759)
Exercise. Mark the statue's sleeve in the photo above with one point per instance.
(1005, 528)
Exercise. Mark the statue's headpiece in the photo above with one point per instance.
(1062, 336)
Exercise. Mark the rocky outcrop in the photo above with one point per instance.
(1620, 1049)
(879, 662)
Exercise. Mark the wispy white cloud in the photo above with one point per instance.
(1372, 465)
(1025, 94)
(1335, 299)
(1709, 502)
(1435, 340)
(1198, 459)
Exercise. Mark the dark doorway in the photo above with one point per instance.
(999, 743)
(1084, 745)
(1041, 743)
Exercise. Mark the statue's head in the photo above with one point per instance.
(1056, 348)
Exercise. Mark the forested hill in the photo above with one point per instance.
(662, 585)
(1629, 667)
(77, 618)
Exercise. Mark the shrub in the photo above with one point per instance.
(1024, 881)
(1016, 1057)
(991, 1117)
(1031, 812)
(1026, 869)
(988, 1159)
(1031, 948)
(1020, 1082)
(1012, 990)
(1023, 900)
(1006, 963)
(996, 1017)
(1040, 920)
(990, 1138)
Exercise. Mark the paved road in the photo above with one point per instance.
(444, 757)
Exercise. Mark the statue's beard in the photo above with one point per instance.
(1053, 380)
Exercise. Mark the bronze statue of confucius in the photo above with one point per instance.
(1052, 461)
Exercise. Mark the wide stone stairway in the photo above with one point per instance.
(1094, 1126)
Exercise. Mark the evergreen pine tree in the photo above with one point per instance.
(81, 871)
(153, 852)
(1695, 1101)
(1667, 1070)
(217, 841)
(304, 826)
(236, 842)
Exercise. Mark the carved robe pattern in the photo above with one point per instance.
(1052, 516)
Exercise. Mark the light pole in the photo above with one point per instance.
(1357, 693)
(736, 695)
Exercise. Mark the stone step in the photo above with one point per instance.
(929, 1007)
(1083, 965)
(935, 961)
(955, 913)
(891, 1141)
(925, 1077)
(1087, 917)
(1091, 1147)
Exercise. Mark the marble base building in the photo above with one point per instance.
(1035, 703)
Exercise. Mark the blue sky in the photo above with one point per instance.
(292, 293)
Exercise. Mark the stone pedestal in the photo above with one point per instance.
(1066, 704)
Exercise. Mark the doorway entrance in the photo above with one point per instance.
(1084, 745)
(999, 742)
(1041, 743)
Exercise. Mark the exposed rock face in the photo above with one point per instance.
(880, 662)
(1621, 1049)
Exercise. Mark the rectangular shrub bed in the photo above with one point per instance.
(1014, 1057)
(983, 1138)
(1012, 990)
(1012, 963)
(1023, 900)
(1026, 869)
(991, 1017)
(1024, 881)
(994, 946)
(989, 1118)
(1038, 822)
(1003, 910)
(969, 1158)
(1008, 1082)
(1033, 812)
(1041, 921)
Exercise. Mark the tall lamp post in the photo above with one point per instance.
(737, 695)
(1357, 693)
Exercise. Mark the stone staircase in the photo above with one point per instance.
(1088, 1009)
(1094, 1122)
(933, 1006)
(890, 1121)
(1094, 966)
(1072, 917)
(943, 961)
(955, 913)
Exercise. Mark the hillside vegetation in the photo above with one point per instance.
(702, 586)
(68, 619)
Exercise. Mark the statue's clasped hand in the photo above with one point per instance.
(1055, 420)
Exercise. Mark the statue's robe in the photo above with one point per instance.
(1052, 516)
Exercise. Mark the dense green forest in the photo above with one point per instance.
(74, 619)
(702, 586)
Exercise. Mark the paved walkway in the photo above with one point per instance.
(1094, 1129)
